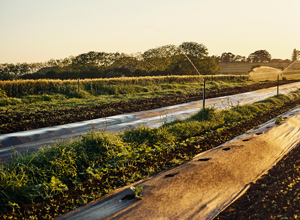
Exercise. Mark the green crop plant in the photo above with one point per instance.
(2, 94)
(123, 85)
(278, 120)
(137, 191)
(100, 162)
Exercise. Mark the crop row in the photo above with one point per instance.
(58, 179)
(21, 119)
(19, 88)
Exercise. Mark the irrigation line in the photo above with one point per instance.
(161, 32)
(197, 72)
(289, 66)
(282, 74)
(191, 62)
(277, 85)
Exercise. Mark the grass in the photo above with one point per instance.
(100, 162)
(114, 93)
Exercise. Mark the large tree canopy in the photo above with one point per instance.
(194, 49)
(227, 57)
(259, 56)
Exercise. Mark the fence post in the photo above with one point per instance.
(204, 94)
(277, 84)
(78, 85)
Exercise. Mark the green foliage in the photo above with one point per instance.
(2, 94)
(185, 129)
(205, 114)
(259, 56)
(137, 191)
(231, 114)
(52, 171)
(123, 85)
(48, 190)
(36, 98)
(79, 94)
(145, 135)
(10, 101)
(278, 120)
(102, 147)
(247, 109)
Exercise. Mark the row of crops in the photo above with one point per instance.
(19, 88)
(56, 180)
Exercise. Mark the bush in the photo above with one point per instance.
(144, 135)
(204, 114)
(80, 94)
(185, 129)
(36, 98)
(2, 94)
(10, 101)
(101, 147)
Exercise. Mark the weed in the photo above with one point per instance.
(278, 120)
(137, 191)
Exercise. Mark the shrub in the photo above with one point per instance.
(205, 114)
(2, 94)
(10, 101)
(185, 129)
(148, 136)
(80, 94)
(101, 147)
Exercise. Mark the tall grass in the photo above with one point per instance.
(18, 88)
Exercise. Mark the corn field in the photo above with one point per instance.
(19, 88)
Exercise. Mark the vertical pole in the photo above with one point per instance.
(78, 84)
(204, 94)
(277, 84)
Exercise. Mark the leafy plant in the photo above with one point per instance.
(100, 161)
(278, 120)
(137, 191)
(2, 94)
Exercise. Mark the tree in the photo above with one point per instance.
(125, 61)
(206, 66)
(227, 57)
(240, 59)
(295, 55)
(198, 54)
(193, 49)
(160, 58)
(259, 56)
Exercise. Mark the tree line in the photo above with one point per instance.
(259, 56)
(160, 61)
(164, 60)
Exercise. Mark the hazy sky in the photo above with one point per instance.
(38, 30)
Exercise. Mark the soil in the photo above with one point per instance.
(20, 121)
(274, 196)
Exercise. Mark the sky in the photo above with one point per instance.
(39, 30)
